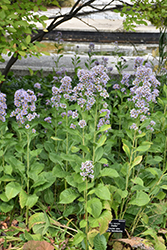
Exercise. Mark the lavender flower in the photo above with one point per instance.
(48, 119)
(138, 62)
(134, 126)
(143, 92)
(3, 107)
(87, 170)
(72, 126)
(75, 114)
(37, 85)
(25, 103)
(82, 123)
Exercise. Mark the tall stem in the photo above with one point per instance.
(65, 182)
(127, 176)
(94, 136)
(28, 168)
(86, 215)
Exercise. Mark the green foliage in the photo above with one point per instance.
(143, 11)
(41, 172)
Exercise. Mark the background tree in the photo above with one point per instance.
(18, 31)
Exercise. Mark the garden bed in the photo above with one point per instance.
(79, 151)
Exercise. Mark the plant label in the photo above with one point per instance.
(116, 226)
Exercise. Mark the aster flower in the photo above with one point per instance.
(82, 123)
(75, 114)
(27, 126)
(37, 85)
(134, 126)
(143, 92)
(33, 131)
(3, 107)
(87, 170)
(25, 103)
(72, 126)
(48, 119)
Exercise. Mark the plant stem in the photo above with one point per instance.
(65, 182)
(127, 176)
(28, 168)
(86, 215)
(94, 136)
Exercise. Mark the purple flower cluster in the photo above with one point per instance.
(82, 123)
(25, 103)
(124, 84)
(3, 107)
(65, 90)
(48, 119)
(138, 62)
(87, 170)
(91, 84)
(143, 92)
(37, 85)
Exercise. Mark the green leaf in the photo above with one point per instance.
(68, 196)
(103, 161)
(68, 157)
(101, 141)
(136, 161)
(144, 147)
(74, 149)
(164, 187)
(28, 39)
(109, 172)
(99, 153)
(56, 138)
(35, 9)
(104, 128)
(12, 189)
(36, 219)
(141, 199)
(59, 172)
(78, 238)
(103, 192)
(6, 207)
(126, 150)
(3, 197)
(55, 158)
(7, 178)
(22, 53)
(32, 200)
(23, 198)
(94, 207)
(100, 242)
(104, 220)
(82, 223)
(138, 181)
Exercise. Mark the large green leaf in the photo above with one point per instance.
(143, 147)
(103, 192)
(104, 220)
(136, 161)
(98, 154)
(100, 242)
(109, 172)
(68, 196)
(12, 189)
(94, 207)
(59, 172)
(101, 141)
(141, 199)
(27, 200)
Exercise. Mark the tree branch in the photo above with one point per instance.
(74, 12)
